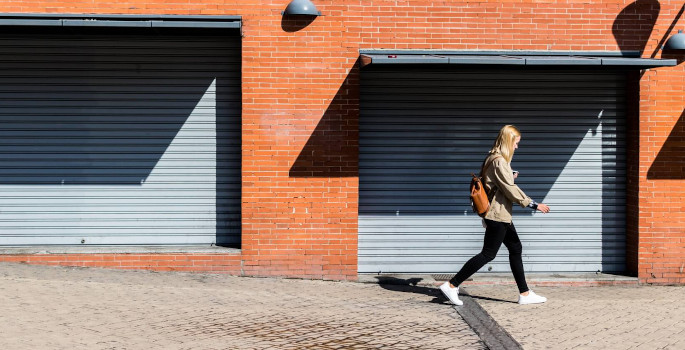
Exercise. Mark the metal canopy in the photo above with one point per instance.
(136, 21)
(521, 58)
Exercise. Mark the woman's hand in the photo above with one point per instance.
(543, 208)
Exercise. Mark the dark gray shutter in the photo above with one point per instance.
(424, 130)
(119, 139)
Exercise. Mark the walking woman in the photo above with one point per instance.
(498, 181)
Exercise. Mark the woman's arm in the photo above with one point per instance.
(504, 179)
(538, 206)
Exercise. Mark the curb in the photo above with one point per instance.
(488, 330)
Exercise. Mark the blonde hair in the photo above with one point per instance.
(504, 144)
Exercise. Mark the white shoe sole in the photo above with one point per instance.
(533, 302)
(447, 295)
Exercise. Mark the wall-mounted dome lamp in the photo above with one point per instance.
(676, 42)
(301, 8)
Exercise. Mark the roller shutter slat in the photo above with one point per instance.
(119, 140)
(424, 130)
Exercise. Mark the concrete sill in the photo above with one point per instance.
(533, 279)
(117, 250)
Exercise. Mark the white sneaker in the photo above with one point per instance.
(531, 298)
(452, 294)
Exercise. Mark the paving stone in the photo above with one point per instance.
(608, 317)
(73, 308)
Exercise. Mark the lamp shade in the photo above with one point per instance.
(676, 42)
(302, 8)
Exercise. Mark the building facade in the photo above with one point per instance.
(230, 137)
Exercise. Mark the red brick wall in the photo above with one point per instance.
(662, 177)
(301, 101)
(215, 263)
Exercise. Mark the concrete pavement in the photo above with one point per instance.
(604, 317)
(76, 308)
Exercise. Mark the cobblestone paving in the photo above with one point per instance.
(645, 317)
(71, 308)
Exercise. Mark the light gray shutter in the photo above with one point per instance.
(424, 130)
(119, 139)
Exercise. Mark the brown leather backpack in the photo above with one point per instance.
(479, 198)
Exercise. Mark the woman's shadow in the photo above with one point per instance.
(411, 285)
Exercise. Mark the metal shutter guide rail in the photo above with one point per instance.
(528, 58)
(135, 21)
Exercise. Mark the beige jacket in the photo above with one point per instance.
(498, 180)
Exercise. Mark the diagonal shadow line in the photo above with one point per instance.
(485, 326)
(332, 148)
(85, 127)
(399, 105)
(536, 183)
(411, 286)
(530, 177)
(633, 26)
(488, 298)
(668, 31)
(669, 163)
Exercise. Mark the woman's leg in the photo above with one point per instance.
(494, 236)
(513, 244)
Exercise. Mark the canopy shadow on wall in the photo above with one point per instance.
(432, 173)
(331, 150)
(533, 145)
(126, 118)
(424, 136)
(669, 164)
(77, 113)
(74, 119)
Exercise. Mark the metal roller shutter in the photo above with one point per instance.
(424, 130)
(119, 139)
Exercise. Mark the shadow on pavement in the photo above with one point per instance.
(488, 298)
(487, 328)
(410, 285)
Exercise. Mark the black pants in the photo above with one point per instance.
(496, 233)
